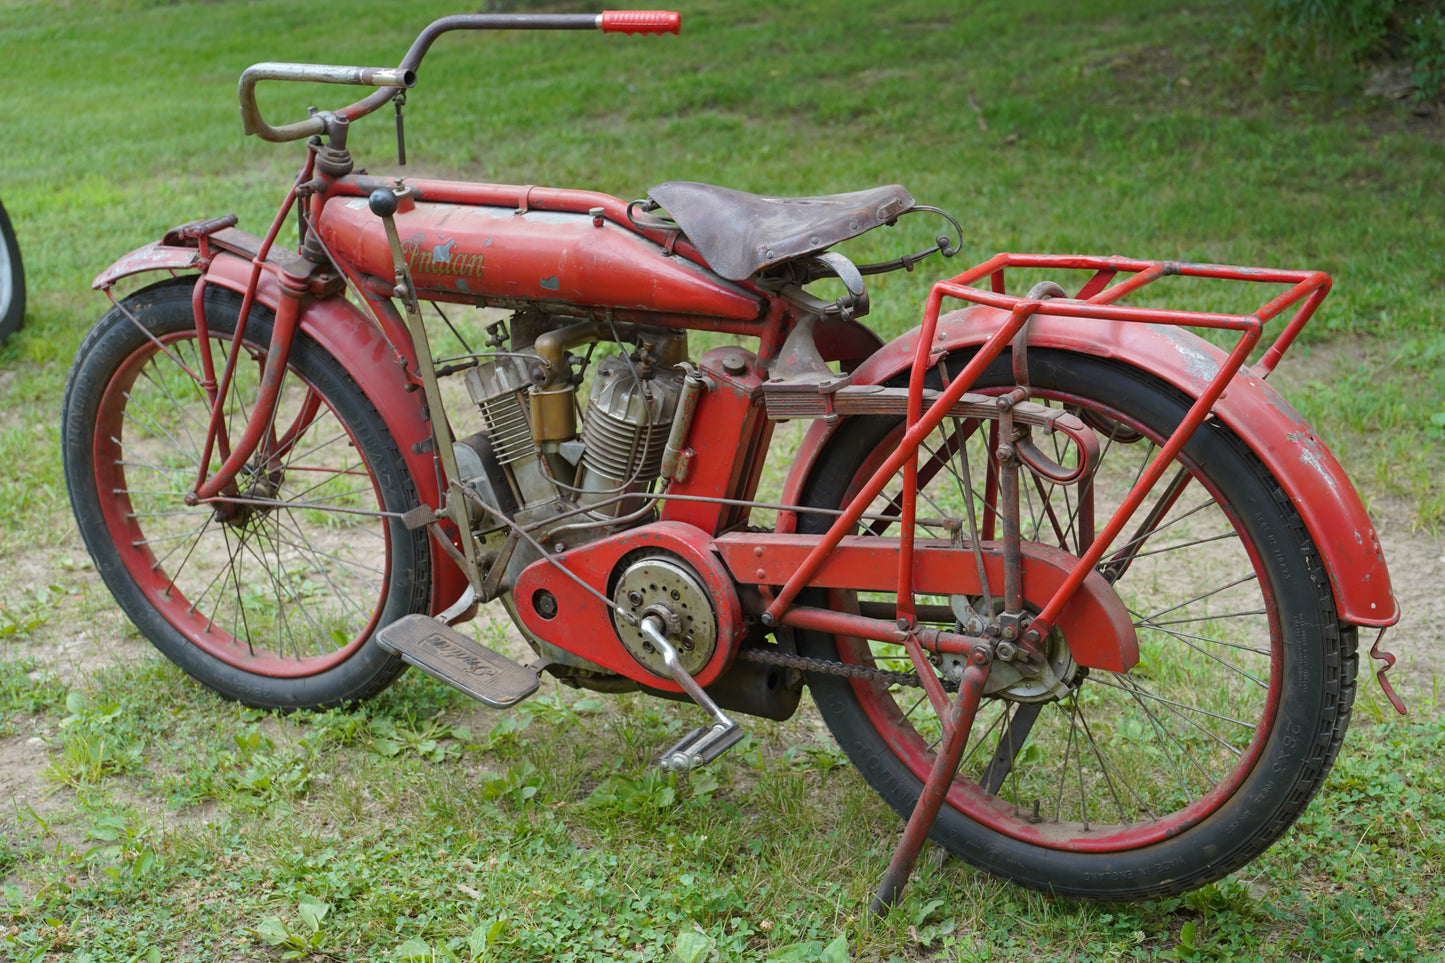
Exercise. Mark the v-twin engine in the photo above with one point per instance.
(588, 483)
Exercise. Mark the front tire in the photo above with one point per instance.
(270, 594)
(1132, 785)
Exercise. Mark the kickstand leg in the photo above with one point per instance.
(925, 811)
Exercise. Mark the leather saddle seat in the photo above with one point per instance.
(740, 234)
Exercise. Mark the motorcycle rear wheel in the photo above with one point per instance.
(271, 594)
(1117, 786)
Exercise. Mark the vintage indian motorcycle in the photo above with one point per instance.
(1075, 590)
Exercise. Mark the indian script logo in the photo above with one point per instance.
(441, 258)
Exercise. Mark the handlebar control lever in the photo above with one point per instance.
(384, 203)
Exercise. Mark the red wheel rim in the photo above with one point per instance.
(187, 585)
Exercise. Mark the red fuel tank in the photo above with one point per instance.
(467, 253)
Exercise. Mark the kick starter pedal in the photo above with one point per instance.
(458, 660)
(706, 743)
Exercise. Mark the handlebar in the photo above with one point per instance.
(251, 122)
(403, 76)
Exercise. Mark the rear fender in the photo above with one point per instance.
(1305, 468)
(348, 335)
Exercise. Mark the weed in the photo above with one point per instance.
(518, 787)
(97, 739)
(26, 689)
(434, 741)
(643, 797)
(265, 775)
(28, 610)
(301, 939)
(123, 852)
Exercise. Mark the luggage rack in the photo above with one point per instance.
(1098, 298)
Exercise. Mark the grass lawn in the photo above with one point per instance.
(174, 826)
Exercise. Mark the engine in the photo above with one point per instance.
(532, 464)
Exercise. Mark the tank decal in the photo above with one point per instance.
(442, 258)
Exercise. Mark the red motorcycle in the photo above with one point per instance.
(1076, 590)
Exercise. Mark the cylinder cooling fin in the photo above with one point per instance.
(497, 391)
(625, 429)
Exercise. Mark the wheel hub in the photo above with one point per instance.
(1013, 676)
(260, 486)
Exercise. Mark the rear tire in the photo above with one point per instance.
(271, 594)
(1132, 785)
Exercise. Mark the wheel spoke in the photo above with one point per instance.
(1179, 708)
(1105, 769)
(1154, 619)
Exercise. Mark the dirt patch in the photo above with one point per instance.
(23, 761)
(1417, 571)
(81, 630)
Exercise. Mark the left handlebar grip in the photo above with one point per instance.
(640, 21)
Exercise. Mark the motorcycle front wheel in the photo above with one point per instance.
(271, 593)
(1103, 785)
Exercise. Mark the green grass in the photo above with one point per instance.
(178, 827)
(419, 834)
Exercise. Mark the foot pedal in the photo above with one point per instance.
(701, 746)
(444, 653)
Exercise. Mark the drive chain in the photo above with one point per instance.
(807, 664)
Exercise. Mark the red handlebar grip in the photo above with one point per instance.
(641, 21)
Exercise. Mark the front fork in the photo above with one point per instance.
(259, 434)
(259, 449)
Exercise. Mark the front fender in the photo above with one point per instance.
(344, 332)
(156, 256)
(1305, 468)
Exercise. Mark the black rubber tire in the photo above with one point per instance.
(12, 280)
(278, 606)
(1297, 721)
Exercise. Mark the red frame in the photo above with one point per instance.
(696, 497)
